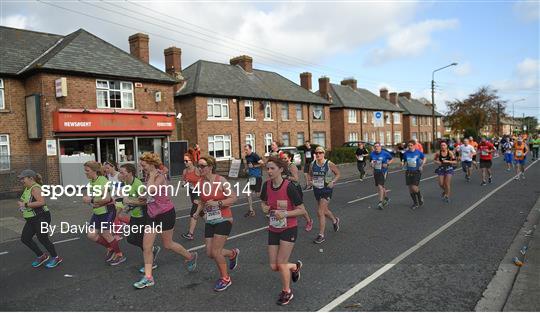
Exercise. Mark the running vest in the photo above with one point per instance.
(278, 200)
(535, 143)
(321, 174)
(134, 193)
(98, 190)
(507, 146)
(192, 178)
(157, 200)
(448, 157)
(519, 153)
(27, 197)
(210, 192)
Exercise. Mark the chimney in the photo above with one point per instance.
(173, 61)
(245, 62)
(324, 87)
(305, 80)
(138, 47)
(351, 82)
(383, 92)
(405, 94)
(393, 98)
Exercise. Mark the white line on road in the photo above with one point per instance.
(232, 237)
(366, 197)
(66, 240)
(5, 252)
(339, 300)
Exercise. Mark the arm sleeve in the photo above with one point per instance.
(264, 196)
(292, 192)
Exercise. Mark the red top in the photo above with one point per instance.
(210, 192)
(191, 177)
(484, 150)
(279, 200)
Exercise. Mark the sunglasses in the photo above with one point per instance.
(319, 152)
(202, 166)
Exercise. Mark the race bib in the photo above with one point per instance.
(318, 182)
(213, 214)
(361, 158)
(378, 165)
(253, 181)
(308, 154)
(465, 153)
(411, 162)
(484, 153)
(274, 222)
(519, 153)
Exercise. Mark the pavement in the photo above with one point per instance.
(441, 257)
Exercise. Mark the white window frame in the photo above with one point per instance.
(222, 104)
(414, 122)
(414, 135)
(267, 111)
(397, 119)
(318, 107)
(366, 136)
(364, 117)
(374, 136)
(8, 156)
(317, 140)
(2, 98)
(103, 87)
(388, 137)
(353, 136)
(248, 104)
(268, 138)
(397, 137)
(286, 143)
(298, 136)
(438, 134)
(438, 121)
(352, 116)
(285, 110)
(225, 139)
(250, 140)
(381, 137)
(299, 111)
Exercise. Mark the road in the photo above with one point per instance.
(438, 258)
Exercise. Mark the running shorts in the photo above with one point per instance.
(289, 235)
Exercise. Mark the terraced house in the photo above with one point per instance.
(359, 115)
(225, 106)
(417, 118)
(68, 99)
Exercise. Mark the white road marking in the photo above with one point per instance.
(349, 293)
(66, 240)
(5, 252)
(366, 197)
(232, 237)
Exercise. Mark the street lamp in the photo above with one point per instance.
(433, 99)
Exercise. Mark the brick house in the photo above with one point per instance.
(353, 114)
(68, 99)
(417, 118)
(225, 106)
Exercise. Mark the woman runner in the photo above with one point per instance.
(446, 161)
(291, 173)
(191, 177)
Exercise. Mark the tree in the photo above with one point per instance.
(479, 109)
(530, 122)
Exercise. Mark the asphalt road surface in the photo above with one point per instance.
(440, 257)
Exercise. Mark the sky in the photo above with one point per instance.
(392, 44)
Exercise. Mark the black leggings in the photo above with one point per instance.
(136, 238)
(33, 227)
(361, 167)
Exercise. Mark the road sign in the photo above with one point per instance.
(378, 119)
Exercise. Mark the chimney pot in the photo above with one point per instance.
(351, 82)
(305, 80)
(383, 92)
(138, 46)
(173, 61)
(393, 98)
(405, 94)
(324, 87)
(245, 62)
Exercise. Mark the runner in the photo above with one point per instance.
(508, 147)
(104, 213)
(520, 154)
(535, 142)
(309, 154)
(113, 176)
(291, 173)
(282, 200)
(254, 164)
(35, 211)
(380, 159)
(217, 208)
(474, 144)
(496, 144)
(191, 177)
(446, 160)
(466, 151)
(320, 177)
(485, 149)
(274, 150)
(361, 158)
(414, 161)
(161, 219)
(418, 145)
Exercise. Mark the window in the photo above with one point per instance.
(413, 120)
(300, 139)
(381, 137)
(352, 116)
(364, 117)
(397, 137)
(218, 108)
(299, 112)
(250, 140)
(114, 94)
(438, 134)
(387, 118)
(438, 122)
(365, 137)
(268, 142)
(373, 117)
(2, 102)
(389, 137)
(318, 112)
(285, 139)
(319, 138)
(219, 146)
(353, 136)
(373, 135)
(397, 119)
(4, 152)
(429, 136)
(248, 104)
(414, 135)
(267, 110)
(284, 111)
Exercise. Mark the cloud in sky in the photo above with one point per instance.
(527, 11)
(410, 41)
(525, 77)
(16, 21)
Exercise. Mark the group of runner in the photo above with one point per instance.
(281, 198)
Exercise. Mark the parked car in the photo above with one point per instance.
(369, 146)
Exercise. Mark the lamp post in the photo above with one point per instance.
(513, 113)
(433, 100)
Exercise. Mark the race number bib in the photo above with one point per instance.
(378, 165)
(213, 214)
(253, 181)
(484, 153)
(308, 154)
(361, 158)
(465, 153)
(276, 223)
(519, 153)
(411, 162)
(318, 182)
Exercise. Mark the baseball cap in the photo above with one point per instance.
(27, 173)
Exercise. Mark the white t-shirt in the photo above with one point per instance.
(466, 152)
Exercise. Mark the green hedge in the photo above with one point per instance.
(340, 155)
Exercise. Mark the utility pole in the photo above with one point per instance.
(498, 119)
(433, 103)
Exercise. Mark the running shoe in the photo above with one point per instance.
(54, 262)
(141, 270)
(144, 282)
(380, 206)
(109, 256)
(191, 265)
(483, 183)
(336, 224)
(188, 236)
(234, 261)
(490, 179)
(522, 175)
(118, 259)
(516, 178)
(386, 201)
(446, 199)
(295, 275)
(285, 297)
(222, 284)
(250, 213)
(420, 200)
(414, 206)
(443, 194)
(309, 225)
(467, 178)
(320, 239)
(40, 260)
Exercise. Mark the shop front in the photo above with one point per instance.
(104, 135)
